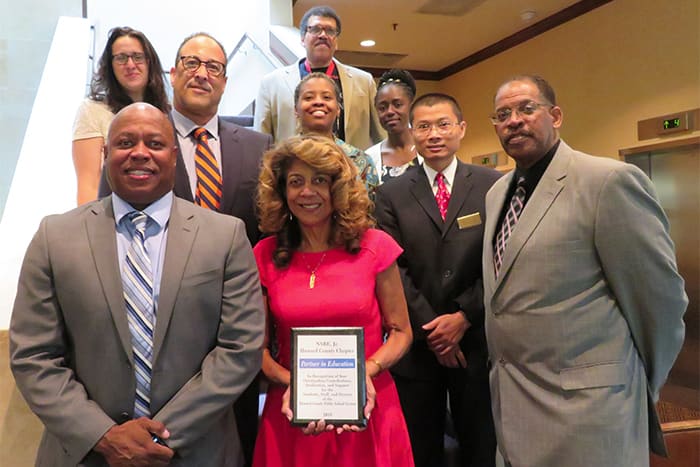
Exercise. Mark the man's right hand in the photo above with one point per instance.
(131, 444)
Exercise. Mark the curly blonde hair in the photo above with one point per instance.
(351, 205)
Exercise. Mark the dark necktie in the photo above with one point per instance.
(514, 209)
(209, 184)
(442, 197)
(138, 295)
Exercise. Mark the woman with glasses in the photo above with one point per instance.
(392, 156)
(129, 71)
(317, 108)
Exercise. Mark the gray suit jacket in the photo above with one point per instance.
(70, 344)
(274, 106)
(585, 320)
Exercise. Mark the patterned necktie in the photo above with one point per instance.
(514, 209)
(138, 294)
(209, 185)
(442, 197)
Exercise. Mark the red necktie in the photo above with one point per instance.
(442, 196)
(209, 184)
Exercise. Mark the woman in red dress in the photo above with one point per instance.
(324, 265)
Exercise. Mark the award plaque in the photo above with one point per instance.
(328, 376)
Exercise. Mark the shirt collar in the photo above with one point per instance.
(184, 126)
(158, 210)
(449, 172)
(534, 174)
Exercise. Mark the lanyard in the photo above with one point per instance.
(330, 71)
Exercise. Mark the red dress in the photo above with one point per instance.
(343, 295)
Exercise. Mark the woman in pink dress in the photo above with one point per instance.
(324, 265)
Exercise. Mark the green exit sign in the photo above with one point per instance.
(672, 123)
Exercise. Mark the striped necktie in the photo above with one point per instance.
(138, 294)
(442, 197)
(209, 184)
(517, 202)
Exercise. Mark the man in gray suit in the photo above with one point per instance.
(584, 302)
(199, 80)
(126, 374)
(358, 123)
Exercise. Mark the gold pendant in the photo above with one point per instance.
(312, 280)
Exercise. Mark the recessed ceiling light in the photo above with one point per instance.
(528, 15)
(368, 43)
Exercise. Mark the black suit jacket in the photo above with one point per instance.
(241, 153)
(441, 263)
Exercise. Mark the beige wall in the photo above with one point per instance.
(623, 62)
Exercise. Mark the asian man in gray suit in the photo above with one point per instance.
(584, 302)
(138, 318)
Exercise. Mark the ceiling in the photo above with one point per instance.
(436, 38)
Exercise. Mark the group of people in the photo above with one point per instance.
(537, 312)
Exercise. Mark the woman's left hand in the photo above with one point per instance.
(369, 406)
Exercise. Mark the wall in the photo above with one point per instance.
(623, 62)
(25, 38)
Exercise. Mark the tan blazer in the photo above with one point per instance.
(274, 106)
(70, 345)
(585, 320)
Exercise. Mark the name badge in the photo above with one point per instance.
(470, 220)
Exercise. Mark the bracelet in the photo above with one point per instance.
(376, 362)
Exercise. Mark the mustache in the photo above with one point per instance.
(516, 134)
(203, 85)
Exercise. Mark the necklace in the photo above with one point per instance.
(312, 272)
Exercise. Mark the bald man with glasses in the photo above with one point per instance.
(358, 123)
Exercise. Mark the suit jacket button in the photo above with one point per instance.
(447, 273)
(502, 361)
(124, 417)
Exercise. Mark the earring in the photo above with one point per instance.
(291, 218)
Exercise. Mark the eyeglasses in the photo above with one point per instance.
(318, 30)
(524, 108)
(443, 128)
(123, 59)
(192, 64)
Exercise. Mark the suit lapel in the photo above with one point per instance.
(496, 202)
(461, 187)
(182, 229)
(423, 193)
(292, 77)
(547, 190)
(230, 166)
(345, 76)
(182, 188)
(103, 245)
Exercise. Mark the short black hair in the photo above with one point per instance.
(546, 89)
(434, 98)
(323, 11)
(400, 78)
(317, 75)
(200, 34)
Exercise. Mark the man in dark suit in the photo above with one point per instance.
(197, 90)
(138, 318)
(199, 80)
(436, 212)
